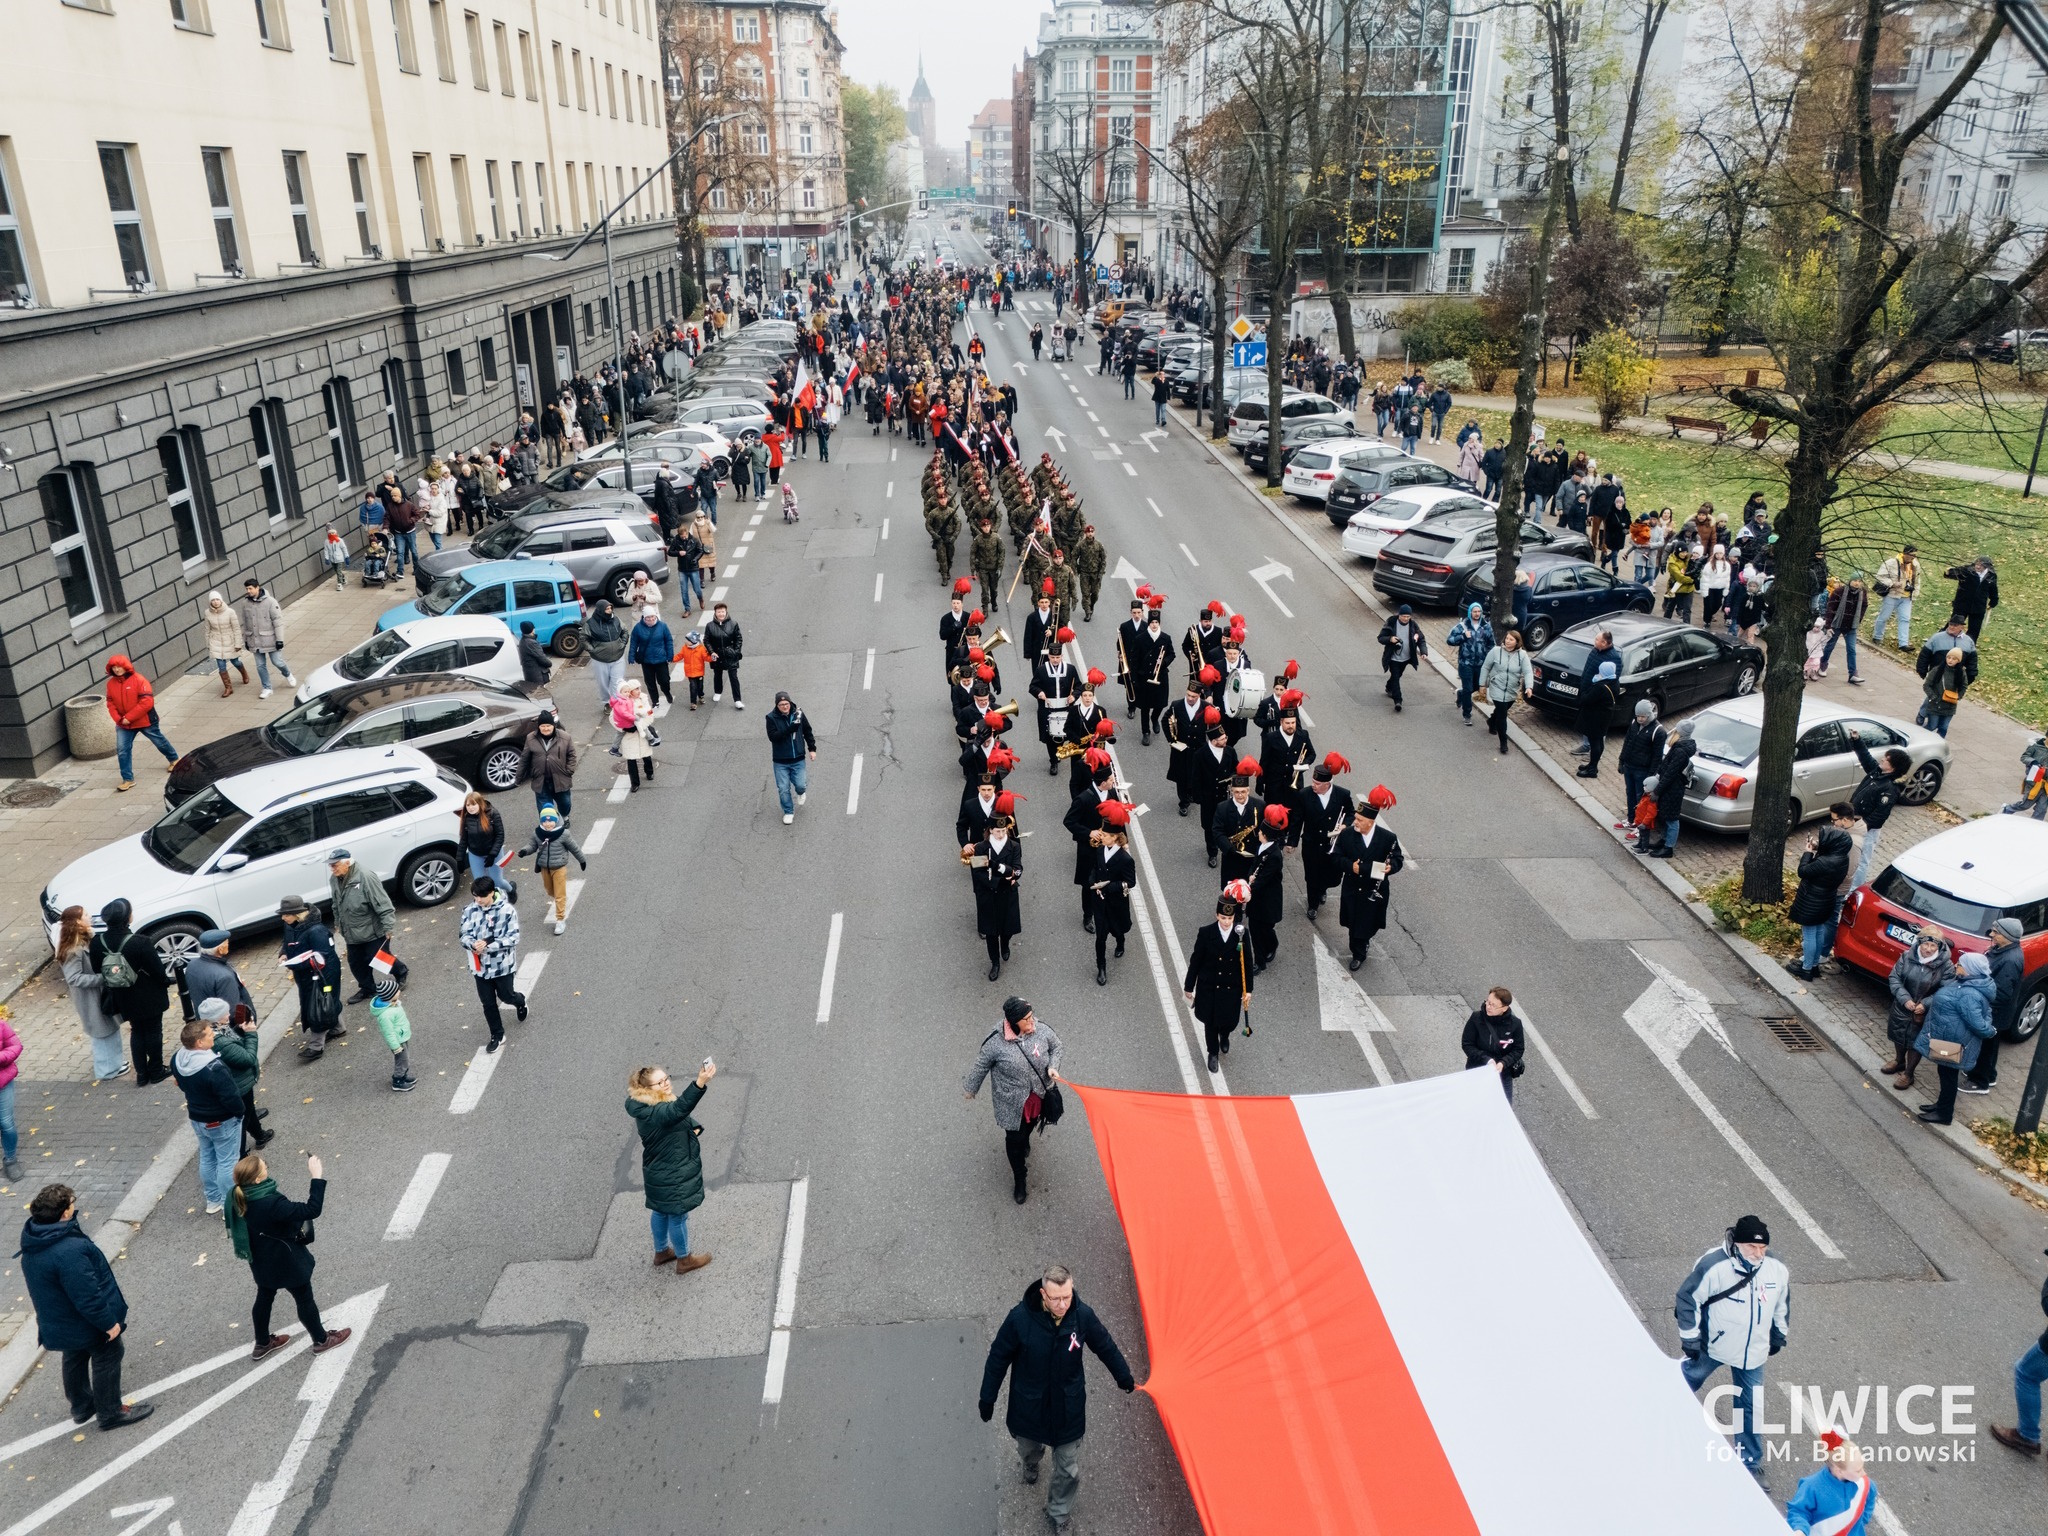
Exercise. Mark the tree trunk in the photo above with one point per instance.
(1653, 18)
(1724, 297)
(1507, 516)
(1809, 488)
(1218, 422)
(1276, 348)
(1340, 310)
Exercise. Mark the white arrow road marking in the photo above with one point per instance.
(412, 1205)
(831, 969)
(785, 1291)
(1058, 437)
(89, 1485)
(1022, 369)
(322, 1382)
(1146, 437)
(1265, 576)
(600, 831)
(1346, 1008)
(1666, 1018)
(1125, 571)
(147, 1513)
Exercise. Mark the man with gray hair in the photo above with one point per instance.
(1039, 1346)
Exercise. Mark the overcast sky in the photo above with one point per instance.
(969, 51)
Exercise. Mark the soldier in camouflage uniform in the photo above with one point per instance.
(944, 523)
(986, 555)
(1066, 591)
(1089, 561)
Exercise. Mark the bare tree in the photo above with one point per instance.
(1646, 39)
(1074, 177)
(710, 77)
(1207, 160)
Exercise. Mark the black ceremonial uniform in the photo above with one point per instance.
(1278, 760)
(971, 826)
(1054, 686)
(1232, 830)
(997, 912)
(1133, 650)
(1268, 901)
(1082, 819)
(1202, 647)
(1319, 822)
(950, 626)
(1185, 738)
(1081, 721)
(1220, 976)
(1039, 628)
(1363, 902)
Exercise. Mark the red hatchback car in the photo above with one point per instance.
(1960, 881)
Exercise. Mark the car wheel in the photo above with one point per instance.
(1745, 681)
(176, 941)
(1793, 810)
(2027, 1022)
(619, 583)
(1922, 784)
(1641, 605)
(498, 770)
(427, 878)
(1537, 634)
(720, 469)
(568, 642)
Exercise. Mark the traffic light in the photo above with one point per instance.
(1013, 209)
(923, 201)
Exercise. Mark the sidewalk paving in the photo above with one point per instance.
(1984, 750)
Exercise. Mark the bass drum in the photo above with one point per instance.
(1241, 695)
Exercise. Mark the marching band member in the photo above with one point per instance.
(1286, 755)
(1213, 770)
(1184, 734)
(1111, 877)
(1083, 820)
(1369, 855)
(998, 865)
(1202, 645)
(1130, 651)
(1325, 811)
(1083, 729)
(1054, 686)
(1154, 690)
(1268, 899)
(954, 619)
(1235, 821)
(1218, 983)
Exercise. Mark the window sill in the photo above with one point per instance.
(177, 26)
(86, 634)
(279, 47)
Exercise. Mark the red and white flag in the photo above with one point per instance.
(1372, 1312)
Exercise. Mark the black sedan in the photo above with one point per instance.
(1431, 563)
(1358, 486)
(1293, 436)
(472, 727)
(1564, 590)
(1666, 661)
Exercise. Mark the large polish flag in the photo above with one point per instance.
(1372, 1312)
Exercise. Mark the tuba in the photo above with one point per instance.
(1002, 637)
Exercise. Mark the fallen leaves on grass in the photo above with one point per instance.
(1768, 925)
(2026, 1154)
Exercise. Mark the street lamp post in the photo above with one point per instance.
(604, 227)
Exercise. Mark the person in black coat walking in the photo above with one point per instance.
(1268, 903)
(1976, 593)
(1673, 775)
(997, 863)
(1218, 983)
(272, 1235)
(144, 1000)
(1823, 867)
(1597, 700)
(80, 1311)
(1493, 1037)
(1039, 1348)
(1324, 811)
(1369, 855)
(1111, 875)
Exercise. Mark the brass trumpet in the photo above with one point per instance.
(1009, 709)
(1239, 841)
(1002, 637)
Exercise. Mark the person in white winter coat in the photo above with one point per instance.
(223, 640)
(1735, 1309)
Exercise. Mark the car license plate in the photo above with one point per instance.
(1570, 688)
(1402, 570)
(1899, 933)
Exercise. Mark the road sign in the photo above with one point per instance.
(1241, 328)
(1248, 354)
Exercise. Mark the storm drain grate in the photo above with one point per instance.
(1794, 1035)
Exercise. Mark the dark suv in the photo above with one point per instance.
(1358, 486)
(1430, 563)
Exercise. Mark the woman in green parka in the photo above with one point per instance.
(671, 1170)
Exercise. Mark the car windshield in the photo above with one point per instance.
(1422, 543)
(307, 728)
(498, 542)
(195, 831)
(444, 594)
(1725, 739)
(369, 658)
(1934, 904)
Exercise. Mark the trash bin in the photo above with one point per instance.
(88, 727)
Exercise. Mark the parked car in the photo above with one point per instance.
(605, 474)
(1566, 590)
(1191, 378)
(1358, 486)
(477, 729)
(229, 854)
(1824, 766)
(472, 645)
(1381, 521)
(1962, 881)
(1248, 413)
(705, 387)
(1295, 435)
(1667, 662)
(1157, 345)
(708, 441)
(1314, 468)
(603, 545)
(740, 419)
(1431, 563)
(511, 590)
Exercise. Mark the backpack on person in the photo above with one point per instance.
(117, 971)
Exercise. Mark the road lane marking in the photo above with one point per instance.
(831, 969)
(621, 787)
(1132, 469)
(1191, 556)
(1556, 1066)
(1103, 430)
(892, 455)
(600, 830)
(1154, 506)
(890, 493)
(755, 520)
(853, 787)
(1093, 417)
(745, 538)
(569, 894)
(741, 552)
(718, 593)
(482, 1063)
(878, 585)
(867, 680)
(885, 530)
(412, 1205)
(785, 1291)
(731, 571)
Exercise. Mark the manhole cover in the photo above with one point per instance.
(31, 795)
(1794, 1035)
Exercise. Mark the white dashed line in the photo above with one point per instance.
(1130, 468)
(1191, 556)
(718, 593)
(878, 585)
(755, 520)
(785, 1292)
(412, 1205)
(867, 680)
(1154, 506)
(831, 969)
(890, 493)
(853, 787)
(745, 538)
(600, 830)
(885, 530)
(616, 795)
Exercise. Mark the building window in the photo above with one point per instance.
(561, 75)
(333, 28)
(746, 26)
(274, 460)
(397, 410)
(187, 495)
(487, 359)
(1123, 76)
(465, 216)
(214, 163)
(611, 91)
(576, 59)
(301, 210)
(810, 193)
(519, 198)
(1120, 130)
(188, 14)
(129, 237)
(1951, 196)
(503, 40)
(15, 287)
(803, 84)
(589, 329)
(2001, 195)
(401, 35)
(458, 381)
(71, 514)
(526, 69)
(430, 215)
(270, 24)
(1458, 272)
(359, 190)
(803, 139)
(1121, 187)
(444, 52)
(1070, 76)
(540, 193)
(479, 72)
(491, 194)
(338, 402)
(1966, 114)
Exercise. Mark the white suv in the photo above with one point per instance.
(228, 855)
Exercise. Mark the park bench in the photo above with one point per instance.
(1697, 424)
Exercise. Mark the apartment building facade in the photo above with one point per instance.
(229, 314)
(1095, 112)
(988, 152)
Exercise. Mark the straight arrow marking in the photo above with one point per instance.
(1265, 576)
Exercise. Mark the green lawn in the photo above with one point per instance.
(1951, 521)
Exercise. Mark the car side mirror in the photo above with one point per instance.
(227, 863)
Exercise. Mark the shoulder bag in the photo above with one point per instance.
(1048, 1105)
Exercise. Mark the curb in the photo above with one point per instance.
(1760, 965)
(22, 1352)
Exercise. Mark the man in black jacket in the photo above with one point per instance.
(1218, 984)
(143, 1000)
(80, 1311)
(1873, 799)
(1976, 594)
(1039, 1346)
(792, 748)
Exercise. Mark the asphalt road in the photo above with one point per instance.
(519, 1366)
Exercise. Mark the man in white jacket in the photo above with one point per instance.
(1735, 1309)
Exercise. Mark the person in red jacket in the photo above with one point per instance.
(132, 703)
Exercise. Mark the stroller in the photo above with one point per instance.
(376, 559)
(1059, 344)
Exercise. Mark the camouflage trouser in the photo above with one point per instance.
(990, 580)
(1091, 589)
(943, 550)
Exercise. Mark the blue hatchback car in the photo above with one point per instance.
(513, 590)
(1566, 591)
